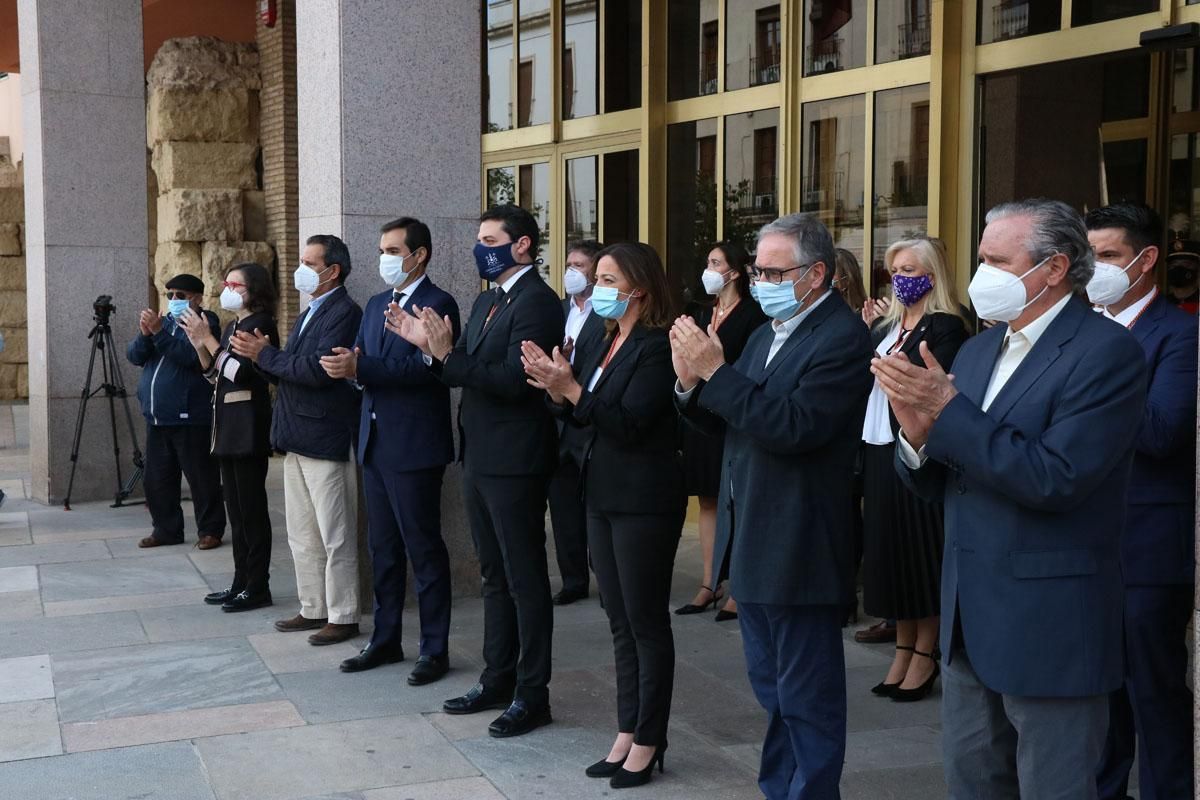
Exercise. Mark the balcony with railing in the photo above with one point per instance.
(758, 196)
(708, 78)
(824, 191)
(1010, 20)
(914, 38)
(825, 55)
(764, 69)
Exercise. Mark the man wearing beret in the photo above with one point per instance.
(177, 403)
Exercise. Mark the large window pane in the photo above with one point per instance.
(581, 48)
(1011, 19)
(533, 68)
(1126, 82)
(753, 43)
(835, 35)
(1125, 170)
(692, 39)
(581, 201)
(751, 174)
(1185, 81)
(691, 203)
(901, 29)
(501, 186)
(621, 197)
(901, 168)
(1084, 12)
(833, 167)
(497, 104)
(1183, 218)
(534, 191)
(623, 64)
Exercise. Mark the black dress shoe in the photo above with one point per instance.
(428, 669)
(244, 601)
(217, 598)
(478, 698)
(518, 719)
(565, 597)
(372, 656)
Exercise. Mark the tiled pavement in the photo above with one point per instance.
(117, 682)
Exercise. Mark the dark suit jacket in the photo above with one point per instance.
(793, 428)
(1159, 540)
(505, 426)
(628, 421)
(944, 333)
(411, 406)
(734, 333)
(315, 415)
(572, 440)
(242, 399)
(1034, 491)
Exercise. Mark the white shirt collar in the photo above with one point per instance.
(1034, 330)
(512, 281)
(411, 289)
(787, 326)
(575, 309)
(1131, 313)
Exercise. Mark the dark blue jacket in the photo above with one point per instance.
(1034, 490)
(315, 415)
(411, 406)
(1158, 545)
(173, 389)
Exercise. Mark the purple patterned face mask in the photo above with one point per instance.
(909, 290)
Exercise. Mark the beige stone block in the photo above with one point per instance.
(12, 273)
(10, 239)
(176, 258)
(12, 204)
(254, 215)
(204, 62)
(205, 165)
(187, 115)
(16, 346)
(12, 309)
(200, 215)
(218, 258)
(23, 381)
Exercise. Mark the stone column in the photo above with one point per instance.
(84, 121)
(388, 101)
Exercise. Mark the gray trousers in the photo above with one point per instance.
(999, 746)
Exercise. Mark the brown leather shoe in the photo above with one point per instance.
(208, 542)
(299, 623)
(332, 634)
(150, 541)
(876, 634)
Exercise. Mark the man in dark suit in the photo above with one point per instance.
(404, 445)
(509, 450)
(1028, 446)
(793, 406)
(313, 425)
(584, 333)
(1157, 548)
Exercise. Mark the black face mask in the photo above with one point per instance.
(1181, 277)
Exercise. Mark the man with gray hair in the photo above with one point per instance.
(793, 406)
(1028, 444)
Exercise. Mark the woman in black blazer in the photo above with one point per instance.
(903, 534)
(241, 432)
(734, 315)
(633, 491)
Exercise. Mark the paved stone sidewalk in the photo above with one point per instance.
(117, 682)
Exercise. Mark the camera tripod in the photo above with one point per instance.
(113, 387)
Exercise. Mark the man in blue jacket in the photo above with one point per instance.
(176, 400)
(404, 445)
(1157, 549)
(1029, 446)
(313, 424)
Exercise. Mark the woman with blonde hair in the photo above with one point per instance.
(903, 535)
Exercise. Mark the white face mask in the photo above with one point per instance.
(391, 268)
(1109, 282)
(713, 281)
(306, 279)
(231, 300)
(1000, 296)
(574, 282)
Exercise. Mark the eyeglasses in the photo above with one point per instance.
(233, 285)
(771, 275)
(177, 295)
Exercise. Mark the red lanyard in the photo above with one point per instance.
(899, 340)
(612, 348)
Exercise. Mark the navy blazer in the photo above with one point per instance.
(792, 431)
(1034, 490)
(172, 389)
(315, 415)
(1159, 541)
(411, 406)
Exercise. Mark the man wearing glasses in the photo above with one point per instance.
(176, 400)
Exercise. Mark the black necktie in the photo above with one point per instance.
(495, 305)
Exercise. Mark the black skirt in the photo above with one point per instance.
(903, 538)
(702, 456)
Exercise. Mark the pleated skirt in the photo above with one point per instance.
(903, 538)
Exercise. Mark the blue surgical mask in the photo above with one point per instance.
(493, 261)
(778, 300)
(177, 307)
(607, 302)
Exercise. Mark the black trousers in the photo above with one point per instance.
(172, 451)
(569, 520)
(245, 485)
(633, 556)
(508, 526)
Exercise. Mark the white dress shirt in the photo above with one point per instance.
(576, 316)
(1129, 315)
(877, 425)
(1017, 345)
(408, 291)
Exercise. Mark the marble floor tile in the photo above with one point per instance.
(117, 577)
(868, 712)
(18, 579)
(22, 605)
(195, 620)
(28, 730)
(453, 789)
(340, 757)
(125, 602)
(27, 678)
(902, 783)
(155, 678)
(65, 634)
(178, 725)
(14, 527)
(291, 652)
(171, 771)
(893, 748)
(331, 696)
(35, 554)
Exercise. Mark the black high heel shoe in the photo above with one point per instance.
(624, 779)
(692, 608)
(922, 691)
(884, 689)
(604, 768)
